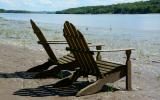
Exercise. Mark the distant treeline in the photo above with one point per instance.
(2, 10)
(24, 11)
(142, 7)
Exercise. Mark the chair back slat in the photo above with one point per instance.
(42, 39)
(80, 49)
(78, 57)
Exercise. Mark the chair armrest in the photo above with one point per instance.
(54, 42)
(62, 41)
(95, 45)
(114, 50)
(57, 42)
(51, 42)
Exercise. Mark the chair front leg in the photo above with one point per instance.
(128, 71)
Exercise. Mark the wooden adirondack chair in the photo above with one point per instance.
(106, 72)
(67, 62)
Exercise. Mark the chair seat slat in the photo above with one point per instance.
(108, 63)
(62, 61)
(67, 60)
(69, 57)
(106, 67)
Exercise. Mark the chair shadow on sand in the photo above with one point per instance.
(31, 75)
(21, 74)
(48, 90)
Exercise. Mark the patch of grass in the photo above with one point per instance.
(109, 88)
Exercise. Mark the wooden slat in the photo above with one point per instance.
(115, 50)
(109, 70)
(106, 66)
(104, 69)
(67, 35)
(77, 42)
(40, 42)
(69, 57)
(103, 72)
(89, 58)
(65, 59)
(41, 38)
(95, 45)
(108, 63)
(57, 41)
(115, 76)
(60, 62)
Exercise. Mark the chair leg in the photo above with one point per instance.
(41, 67)
(92, 88)
(67, 81)
(128, 71)
(128, 77)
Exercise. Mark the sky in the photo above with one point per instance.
(54, 5)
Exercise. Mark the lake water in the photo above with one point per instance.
(138, 22)
(140, 31)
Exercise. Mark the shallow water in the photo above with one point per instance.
(136, 22)
(141, 32)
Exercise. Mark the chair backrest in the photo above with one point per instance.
(79, 47)
(43, 41)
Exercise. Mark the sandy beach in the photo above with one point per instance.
(145, 78)
(17, 57)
